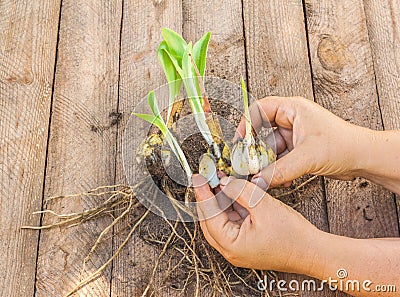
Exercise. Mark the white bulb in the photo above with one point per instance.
(208, 169)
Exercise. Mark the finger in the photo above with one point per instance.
(217, 222)
(287, 184)
(244, 193)
(279, 110)
(269, 112)
(280, 143)
(258, 120)
(224, 181)
(226, 205)
(284, 153)
(287, 136)
(207, 204)
(224, 202)
(240, 210)
(289, 167)
(233, 216)
(221, 174)
(208, 237)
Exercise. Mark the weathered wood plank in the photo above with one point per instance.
(226, 57)
(28, 38)
(278, 64)
(82, 143)
(140, 72)
(344, 83)
(383, 23)
(226, 54)
(277, 59)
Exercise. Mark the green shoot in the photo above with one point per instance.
(176, 44)
(194, 95)
(175, 53)
(200, 53)
(249, 135)
(156, 119)
(173, 78)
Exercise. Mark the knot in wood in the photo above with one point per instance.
(334, 54)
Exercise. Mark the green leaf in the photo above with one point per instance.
(178, 68)
(200, 52)
(151, 99)
(173, 78)
(153, 120)
(147, 117)
(176, 44)
(244, 91)
(187, 66)
(166, 63)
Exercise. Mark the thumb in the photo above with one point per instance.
(243, 192)
(291, 166)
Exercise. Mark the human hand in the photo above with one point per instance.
(252, 229)
(270, 235)
(309, 140)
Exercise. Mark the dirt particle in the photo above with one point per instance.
(94, 128)
(364, 184)
(115, 117)
(365, 216)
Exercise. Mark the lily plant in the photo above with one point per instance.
(185, 64)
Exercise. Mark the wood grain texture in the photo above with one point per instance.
(344, 83)
(226, 54)
(140, 72)
(383, 23)
(277, 58)
(278, 64)
(81, 153)
(28, 37)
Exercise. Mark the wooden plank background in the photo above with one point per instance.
(82, 141)
(28, 38)
(69, 68)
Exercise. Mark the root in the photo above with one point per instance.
(98, 271)
(297, 188)
(183, 250)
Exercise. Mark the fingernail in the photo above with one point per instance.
(260, 182)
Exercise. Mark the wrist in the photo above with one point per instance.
(328, 254)
(378, 157)
(364, 150)
(310, 255)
